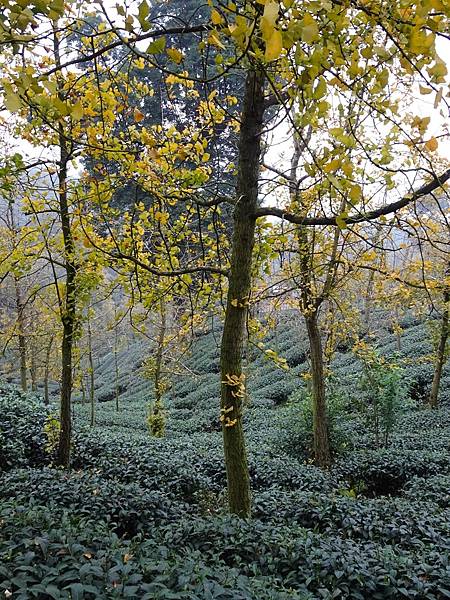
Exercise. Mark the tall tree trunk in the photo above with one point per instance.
(83, 391)
(234, 330)
(159, 352)
(116, 367)
(440, 352)
(321, 444)
(21, 335)
(68, 308)
(91, 372)
(157, 410)
(48, 351)
(33, 369)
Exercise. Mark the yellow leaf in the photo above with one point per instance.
(274, 46)
(138, 116)
(355, 192)
(77, 112)
(333, 165)
(234, 302)
(214, 40)
(432, 144)
(271, 12)
(161, 217)
(175, 55)
(216, 17)
(266, 29)
(423, 90)
(340, 221)
(310, 30)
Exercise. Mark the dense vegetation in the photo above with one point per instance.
(142, 517)
(225, 278)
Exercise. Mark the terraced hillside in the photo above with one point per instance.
(145, 518)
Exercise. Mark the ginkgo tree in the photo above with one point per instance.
(289, 54)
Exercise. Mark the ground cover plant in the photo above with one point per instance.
(145, 517)
(224, 299)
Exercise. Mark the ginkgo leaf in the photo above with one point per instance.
(274, 46)
(432, 144)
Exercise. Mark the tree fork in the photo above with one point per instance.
(234, 331)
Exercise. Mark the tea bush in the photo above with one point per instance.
(22, 437)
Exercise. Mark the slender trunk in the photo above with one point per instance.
(68, 308)
(21, 336)
(159, 353)
(398, 334)
(234, 330)
(33, 369)
(157, 421)
(321, 444)
(440, 353)
(48, 351)
(91, 373)
(116, 367)
(368, 301)
(83, 391)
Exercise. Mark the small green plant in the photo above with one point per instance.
(52, 428)
(296, 431)
(385, 396)
(156, 419)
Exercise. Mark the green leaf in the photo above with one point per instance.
(157, 46)
(144, 11)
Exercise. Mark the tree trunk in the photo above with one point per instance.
(68, 307)
(233, 338)
(157, 410)
(21, 336)
(83, 391)
(48, 351)
(33, 369)
(91, 373)
(440, 353)
(321, 444)
(116, 367)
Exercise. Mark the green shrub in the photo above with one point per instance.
(295, 435)
(22, 437)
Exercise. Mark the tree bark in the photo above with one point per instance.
(91, 373)
(48, 351)
(21, 336)
(116, 367)
(321, 444)
(68, 308)
(33, 369)
(440, 353)
(234, 331)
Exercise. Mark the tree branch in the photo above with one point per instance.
(357, 218)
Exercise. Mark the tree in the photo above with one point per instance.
(334, 55)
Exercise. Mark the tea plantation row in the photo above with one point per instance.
(139, 517)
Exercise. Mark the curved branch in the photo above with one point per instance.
(357, 218)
